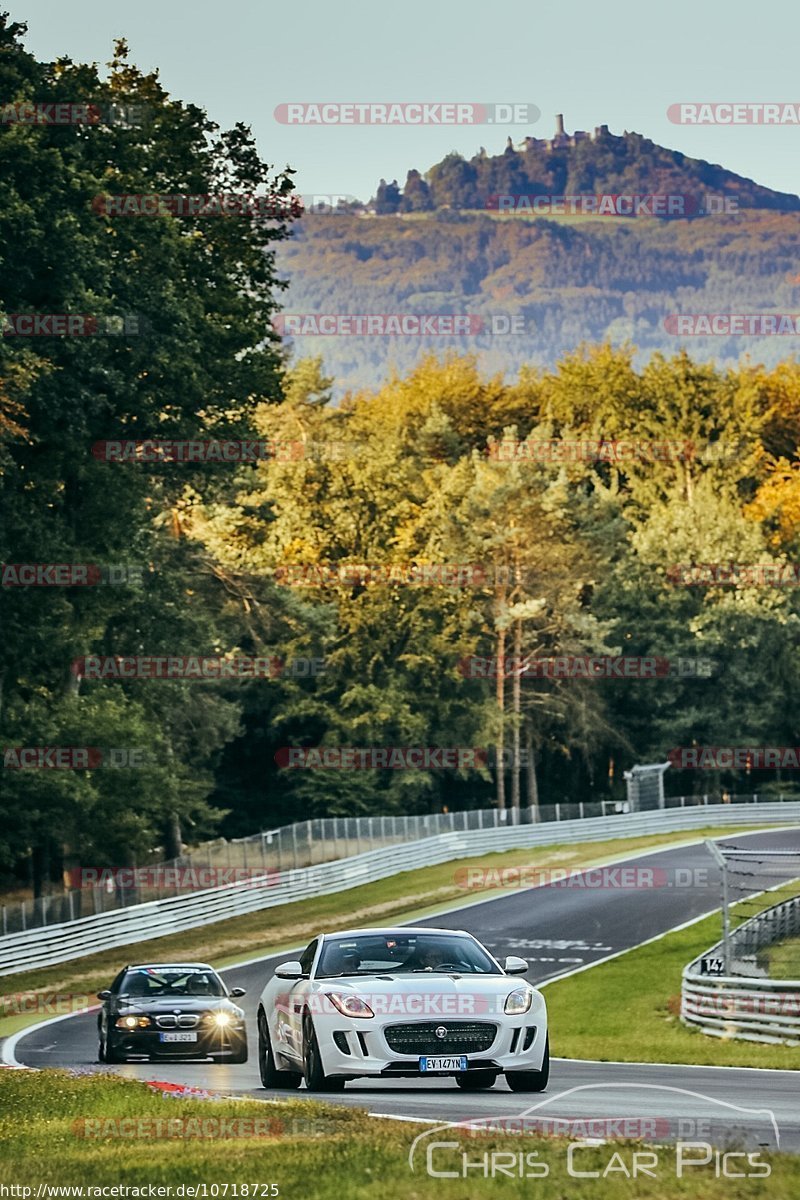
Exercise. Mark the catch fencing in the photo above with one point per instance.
(747, 1005)
(52, 944)
(304, 844)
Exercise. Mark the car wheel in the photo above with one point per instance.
(476, 1081)
(315, 1077)
(531, 1081)
(271, 1077)
(107, 1053)
(101, 1050)
(240, 1056)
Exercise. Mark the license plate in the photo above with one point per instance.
(429, 1064)
(179, 1037)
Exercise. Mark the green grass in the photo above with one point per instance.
(312, 1151)
(406, 896)
(628, 1008)
(782, 960)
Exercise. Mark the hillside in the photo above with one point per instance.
(441, 246)
(573, 164)
(570, 281)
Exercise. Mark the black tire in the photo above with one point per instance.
(271, 1077)
(107, 1053)
(531, 1081)
(477, 1081)
(240, 1056)
(315, 1077)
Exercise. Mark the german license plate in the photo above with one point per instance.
(179, 1037)
(429, 1065)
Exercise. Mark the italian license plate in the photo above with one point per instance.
(179, 1037)
(429, 1065)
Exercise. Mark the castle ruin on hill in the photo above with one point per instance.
(560, 139)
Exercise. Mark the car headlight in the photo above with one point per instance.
(350, 1006)
(518, 1002)
(132, 1022)
(222, 1018)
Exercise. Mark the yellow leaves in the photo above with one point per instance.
(777, 503)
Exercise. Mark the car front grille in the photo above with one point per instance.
(460, 1037)
(171, 1021)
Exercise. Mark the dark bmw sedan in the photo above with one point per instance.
(176, 1010)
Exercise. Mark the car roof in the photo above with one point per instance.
(169, 966)
(394, 929)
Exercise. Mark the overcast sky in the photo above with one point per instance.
(596, 63)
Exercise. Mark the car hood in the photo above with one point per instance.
(421, 995)
(174, 1004)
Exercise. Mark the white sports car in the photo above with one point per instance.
(393, 1003)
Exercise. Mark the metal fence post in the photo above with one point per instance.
(719, 859)
(558, 810)
(294, 845)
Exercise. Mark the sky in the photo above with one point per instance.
(594, 63)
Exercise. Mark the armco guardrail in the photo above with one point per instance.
(54, 944)
(746, 1006)
(303, 844)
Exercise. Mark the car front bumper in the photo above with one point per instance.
(148, 1042)
(518, 1045)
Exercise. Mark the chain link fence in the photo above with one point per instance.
(275, 851)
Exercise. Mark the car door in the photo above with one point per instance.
(292, 997)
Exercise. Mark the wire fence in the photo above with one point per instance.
(272, 852)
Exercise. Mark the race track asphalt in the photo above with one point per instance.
(557, 929)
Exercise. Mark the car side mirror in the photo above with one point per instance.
(514, 965)
(290, 970)
(238, 992)
(104, 995)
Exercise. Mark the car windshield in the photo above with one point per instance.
(171, 981)
(403, 953)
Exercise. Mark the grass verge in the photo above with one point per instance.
(311, 1151)
(782, 960)
(638, 998)
(34, 995)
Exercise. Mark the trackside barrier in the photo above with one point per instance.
(746, 1006)
(53, 944)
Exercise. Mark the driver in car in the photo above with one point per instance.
(426, 958)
